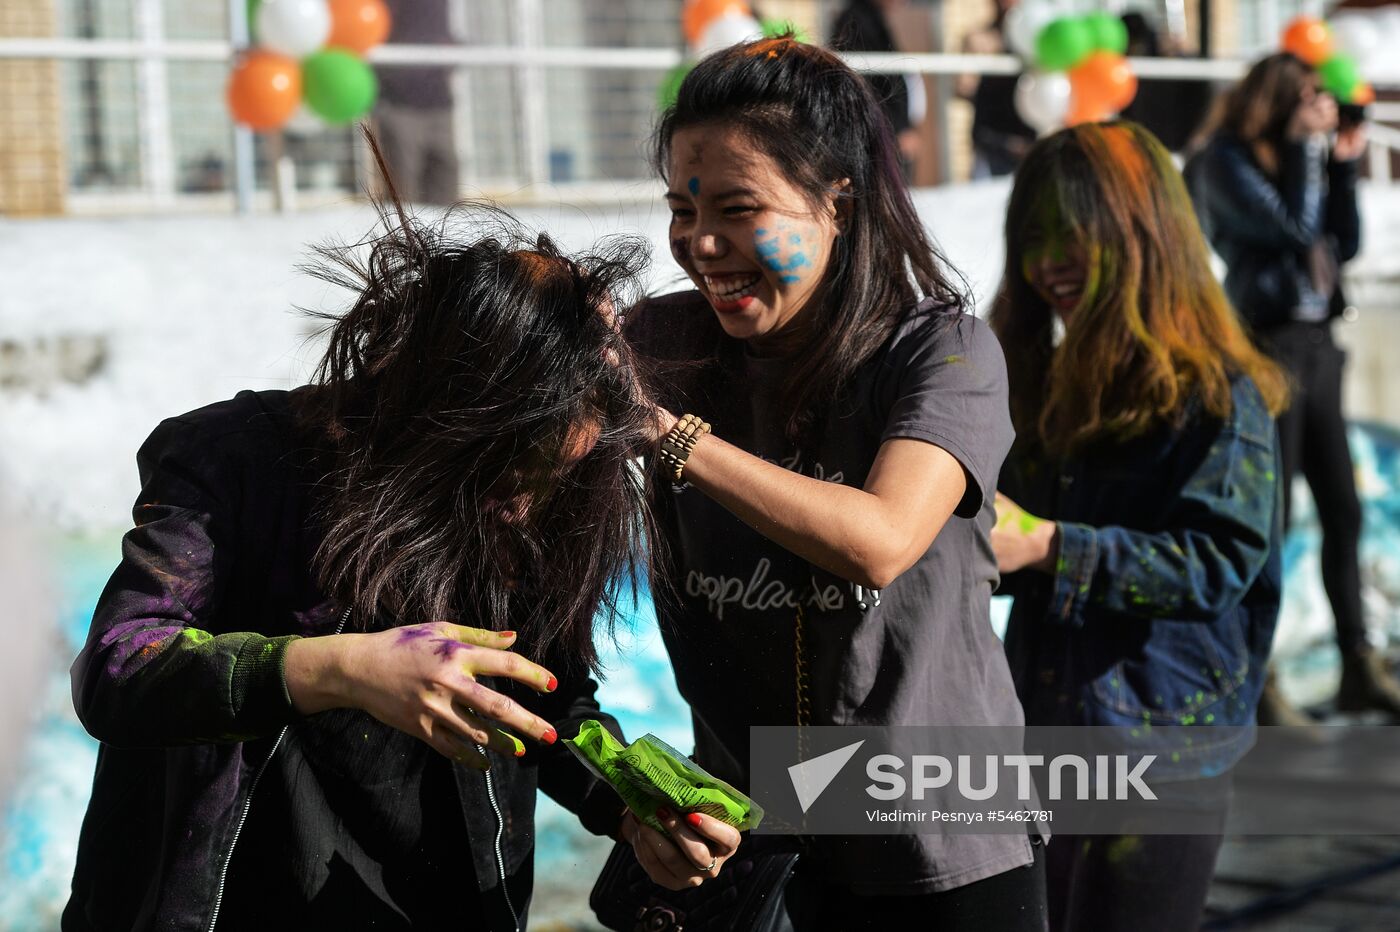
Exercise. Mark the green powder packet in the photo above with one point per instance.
(649, 773)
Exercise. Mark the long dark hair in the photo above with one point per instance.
(818, 120)
(1256, 111)
(1154, 329)
(473, 358)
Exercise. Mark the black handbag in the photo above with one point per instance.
(746, 896)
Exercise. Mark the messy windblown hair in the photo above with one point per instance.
(473, 366)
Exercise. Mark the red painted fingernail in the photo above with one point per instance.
(694, 819)
(552, 685)
(507, 634)
(520, 752)
(549, 737)
(662, 812)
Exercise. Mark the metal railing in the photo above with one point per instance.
(528, 61)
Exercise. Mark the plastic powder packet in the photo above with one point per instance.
(649, 773)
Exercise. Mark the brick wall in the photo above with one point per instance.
(32, 179)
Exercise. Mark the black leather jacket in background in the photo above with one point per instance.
(1263, 227)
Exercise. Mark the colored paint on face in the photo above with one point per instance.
(680, 248)
(693, 186)
(782, 252)
(1054, 261)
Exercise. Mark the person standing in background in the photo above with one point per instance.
(414, 113)
(1000, 138)
(863, 26)
(1275, 184)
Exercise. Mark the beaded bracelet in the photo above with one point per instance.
(678, 443)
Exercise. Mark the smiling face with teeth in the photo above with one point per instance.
(749, 239)
(1054, 261)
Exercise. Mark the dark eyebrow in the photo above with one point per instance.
(732, 192)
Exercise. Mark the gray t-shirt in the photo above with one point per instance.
(922, 652)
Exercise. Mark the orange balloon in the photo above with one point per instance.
(1364, 95)
(1102, 83)
(1078, 113)
(698, 14)
(1309, 39)
(359, 25)
(264, 90)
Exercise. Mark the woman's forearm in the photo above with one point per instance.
(867, 536)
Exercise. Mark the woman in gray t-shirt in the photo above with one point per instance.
(838, 473)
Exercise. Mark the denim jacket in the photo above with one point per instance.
(1162, 605)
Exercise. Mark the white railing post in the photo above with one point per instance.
(244, 168)
(528, 26)
(153, 108)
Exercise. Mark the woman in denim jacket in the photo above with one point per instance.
(1138, 525)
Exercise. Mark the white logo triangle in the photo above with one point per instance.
(811, 777)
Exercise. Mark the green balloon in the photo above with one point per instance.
(1063, 44)
(338, 85)
(670, 87)
(1340, 77)
(773, 28)
(1108, 32)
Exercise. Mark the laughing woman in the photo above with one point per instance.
(833, 437)
(336, 599)
(1141, 519)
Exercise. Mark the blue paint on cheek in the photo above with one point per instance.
(694, 185)
(769, 250)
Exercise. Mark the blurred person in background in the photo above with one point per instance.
(841, 417)
(864, 26)
(1170, 108)
(336, 599)
(1000, 138)
(413, 116)
(1275, 184)
(1139, 524)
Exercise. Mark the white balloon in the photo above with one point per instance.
(1359, 35)
(1023, 23)
(1042, 99)
(295, 28)
(727, 30)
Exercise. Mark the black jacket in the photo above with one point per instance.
(1263, 228)
(188, 701)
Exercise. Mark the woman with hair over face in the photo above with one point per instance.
(1138, 514)
(831, 443)
(1277, 197)
(343, 607)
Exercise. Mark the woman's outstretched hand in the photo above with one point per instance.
(421, 679)
(1021, 541)
(694, 852)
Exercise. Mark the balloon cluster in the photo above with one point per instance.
(1078, 73)
(307, 50)
(711, 25)
(1336, 51)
